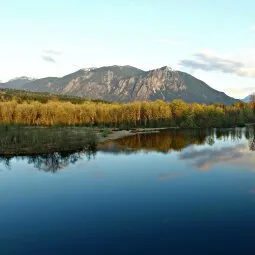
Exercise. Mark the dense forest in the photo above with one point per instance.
(53, 110)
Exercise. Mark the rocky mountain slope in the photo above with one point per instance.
(127, 83)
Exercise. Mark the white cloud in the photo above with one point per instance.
(240, 63)
(48, 59)
(52, 51)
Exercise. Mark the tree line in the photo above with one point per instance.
(126, 115)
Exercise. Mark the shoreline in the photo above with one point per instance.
(117, 134)
(28, 140)
(23, 140)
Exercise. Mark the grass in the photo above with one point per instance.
(21, 140)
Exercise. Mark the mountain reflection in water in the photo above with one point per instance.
(199, 147)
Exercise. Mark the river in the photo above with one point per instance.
(173, 192)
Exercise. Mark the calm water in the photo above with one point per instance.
(168, 193)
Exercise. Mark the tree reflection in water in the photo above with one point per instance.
(252, 144)
(51, 162)
(177, 140)
(163, 142)
(56, 161)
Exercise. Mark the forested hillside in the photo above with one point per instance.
(42, 97)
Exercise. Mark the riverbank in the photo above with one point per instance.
(30, 140)
(34, 140)
(114, 134)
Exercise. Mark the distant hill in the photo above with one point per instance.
(127, 83)
(247, 99)
(16, 83)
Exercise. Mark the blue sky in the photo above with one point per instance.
(212, 40)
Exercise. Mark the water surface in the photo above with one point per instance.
(175, 192)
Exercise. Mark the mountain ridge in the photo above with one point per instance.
(128, 83)
(248, 98)
(17, 83)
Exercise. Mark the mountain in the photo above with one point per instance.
(248, 98)
(16, 83)
(127, 83)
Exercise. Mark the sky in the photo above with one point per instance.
(212, 40)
